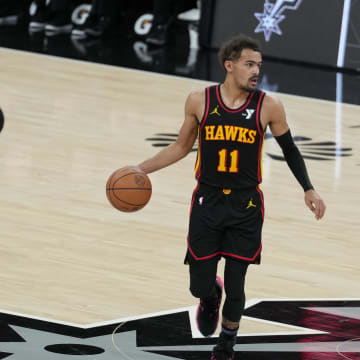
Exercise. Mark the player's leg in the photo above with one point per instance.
(233, 308)
(204, 243)
(234, 279)
(202, 278)
(206, 286)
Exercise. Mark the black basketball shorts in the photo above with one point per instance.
(225, 223)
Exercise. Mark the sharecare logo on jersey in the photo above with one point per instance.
(273, 14)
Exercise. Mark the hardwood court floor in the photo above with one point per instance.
(66, 254)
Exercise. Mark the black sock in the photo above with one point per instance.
(227, 340)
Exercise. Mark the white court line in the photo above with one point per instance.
(189, 309)
(344, 343)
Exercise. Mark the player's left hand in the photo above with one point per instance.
(315, 203)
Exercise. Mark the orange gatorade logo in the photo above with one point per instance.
(230, 133)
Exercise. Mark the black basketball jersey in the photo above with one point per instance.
(230, 142)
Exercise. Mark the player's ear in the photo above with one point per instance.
(228, 64)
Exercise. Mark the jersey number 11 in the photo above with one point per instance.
(234, 160)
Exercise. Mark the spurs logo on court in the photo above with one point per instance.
(165, 139)
(249, 113)
(306, 329)
(311, 150)
(273, 14)
(216, 111)
(315, 150)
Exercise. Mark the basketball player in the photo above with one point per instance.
(227, 208)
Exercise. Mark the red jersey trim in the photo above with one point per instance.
(262, 134)
(203, 121)
(262, 201)
(258, 110)
(226, 254)
(225, 107)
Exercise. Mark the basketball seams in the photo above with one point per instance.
(123, 188)
(127, 203)
(122, 177)
(115, 172)
(128, 194)
(111, 177)
(132, 173)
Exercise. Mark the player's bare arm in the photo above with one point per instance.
(274, 116)
(194, 107)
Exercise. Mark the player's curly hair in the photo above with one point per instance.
(231, 49)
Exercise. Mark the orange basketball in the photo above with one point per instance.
(128, 190)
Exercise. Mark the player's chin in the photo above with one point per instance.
(250, 88)
(252, 85)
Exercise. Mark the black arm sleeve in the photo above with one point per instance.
(294, 160)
